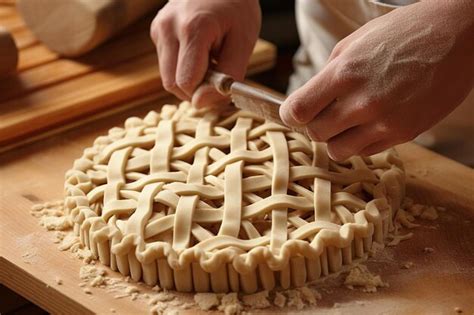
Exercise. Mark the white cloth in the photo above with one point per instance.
(322, 23)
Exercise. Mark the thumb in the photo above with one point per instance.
(231, 60)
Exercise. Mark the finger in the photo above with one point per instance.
(336, 118)
(305, 103)
(233, 57)
(376, 147)
(196, 39)
(353, 141)
(167, 51)
(207, 96)
(232, 60)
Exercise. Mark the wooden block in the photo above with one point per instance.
(74, 27)
(8, 53)
(34, 56)
(60, 70)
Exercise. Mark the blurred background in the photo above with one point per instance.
(279, 28)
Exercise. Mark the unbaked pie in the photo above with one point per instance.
(199, 201)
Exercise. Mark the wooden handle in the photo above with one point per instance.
(8, 53)
(222, 82)
(73, 27)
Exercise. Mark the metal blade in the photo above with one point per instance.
(260, 102)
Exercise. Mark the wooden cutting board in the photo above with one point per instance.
(436, 284)
(49, 90)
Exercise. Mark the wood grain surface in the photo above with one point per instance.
(49, 91)
(436, 284)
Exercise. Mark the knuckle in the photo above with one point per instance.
(185, 84)
(395, 131)
(162, 25)
(348, 71)
(336, 51)
(196, 22)
(369, 107)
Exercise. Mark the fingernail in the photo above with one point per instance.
(336, 157)
(285, 116)
(312, 135)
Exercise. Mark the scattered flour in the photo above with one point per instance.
(360, 276)
(257, 300)
(280, 300)
(206, 301)
(230, 304)
(163, 302)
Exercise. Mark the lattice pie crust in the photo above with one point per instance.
(198, 201)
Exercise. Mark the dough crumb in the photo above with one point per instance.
(428, 250)
(360, 276)
(396, 239)
(121, 296)
(257, 300)
(87, 291)
(131, 290)
(97, 281)
(408, 265)
(90, 272)
(458, 310)
(37, 207)
(294, 299)
(29, 257)
(156, 288)
(442, 209)
(187, 306)
(429, 213)
(405, 219)
(112, 310)
(206, 301)
(162, 308)
(54, 223)
(310, 296)
(164, 297)
(230, 304)
(280, 300)
(58, 281)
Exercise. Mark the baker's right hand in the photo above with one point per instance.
(188, 34)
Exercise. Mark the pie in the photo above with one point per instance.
(199, 201)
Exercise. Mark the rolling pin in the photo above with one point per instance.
(73, 27)
(8, 53)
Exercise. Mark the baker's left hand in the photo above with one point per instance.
(389, 81)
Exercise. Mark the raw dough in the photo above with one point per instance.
(199, 201)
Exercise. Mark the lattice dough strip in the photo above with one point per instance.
(165, 193)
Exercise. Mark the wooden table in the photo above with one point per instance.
(50, 91)
(437, 283)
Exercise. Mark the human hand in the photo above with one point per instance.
(390, 80)
(189, 34)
